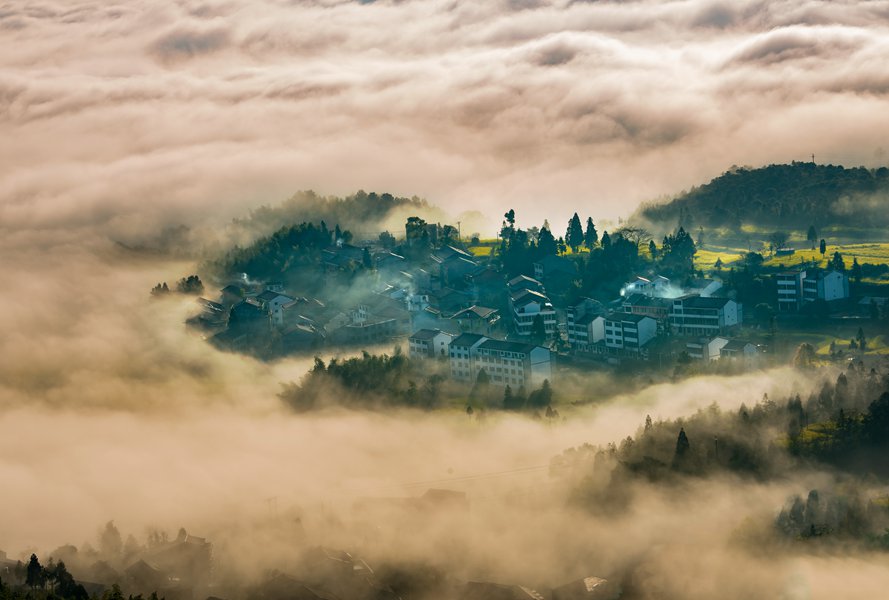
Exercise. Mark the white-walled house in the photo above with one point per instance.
(429, 343)
(799, 286)
(526, 305)
(706, 348)
(623, 333)
(706, 317)
(274, 303)
(516, 364)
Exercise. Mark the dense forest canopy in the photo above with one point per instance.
(360, 211)
(794, 195)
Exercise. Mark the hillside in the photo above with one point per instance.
(795, 195)
(361, 212)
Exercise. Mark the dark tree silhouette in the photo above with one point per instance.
(590, 236)
(574, 235)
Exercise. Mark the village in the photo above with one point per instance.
(444, 302)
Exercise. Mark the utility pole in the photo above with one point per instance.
(813, 159)
(459, 233)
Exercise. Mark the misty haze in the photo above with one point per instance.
(402, 300)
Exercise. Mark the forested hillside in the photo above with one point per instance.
(795, 195)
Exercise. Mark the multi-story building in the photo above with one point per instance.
(790, 289)
(515, 364)
(528, 304)
(704, 317)
(799, 286)
(477, 319)
(429, 343)
(462, 353)
(648, 306)
(579, 321)
(623, 333)
(274, 303)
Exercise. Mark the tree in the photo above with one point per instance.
(652, 250)
(718, 264)
(682, 449)
(856, 270)
(678, 251)
(190, 285)
(637, 235)
(647, 424)
(508, 399)
(778, 239)
(366, 260)
(546, 243)
(763, 313)
(574, 235)
(542, 397)
(837, 263)
(160, 290)
(805, 356)
(416, 232)
(35, 576)
(110, 542)
(387, 240)
(590, 236)
(510, 217)
(812, 236)
(481, 385)
(822, 247)
(606, 241)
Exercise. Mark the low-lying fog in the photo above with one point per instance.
(111, 409)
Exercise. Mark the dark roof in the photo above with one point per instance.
(523, 279)
(702, 302)
(209, 304)
(527, 296)
(425, 334)
(233, 289)
(622, 316)
(504, 346)
(269, 295)
(737, 345)
(481, 312)
(466, 339)
(643, 300)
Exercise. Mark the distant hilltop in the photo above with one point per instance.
(795, 195)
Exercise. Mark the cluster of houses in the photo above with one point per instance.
(447, 295)
(178, 569)
(448, 290)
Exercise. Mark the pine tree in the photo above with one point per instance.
(812, 236)
(508, 399)
(606, 241)
(680, 457)
(591, 236)
(574, 235)
(34, 575)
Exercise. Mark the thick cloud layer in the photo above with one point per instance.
(133, 115)
(118, 119)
